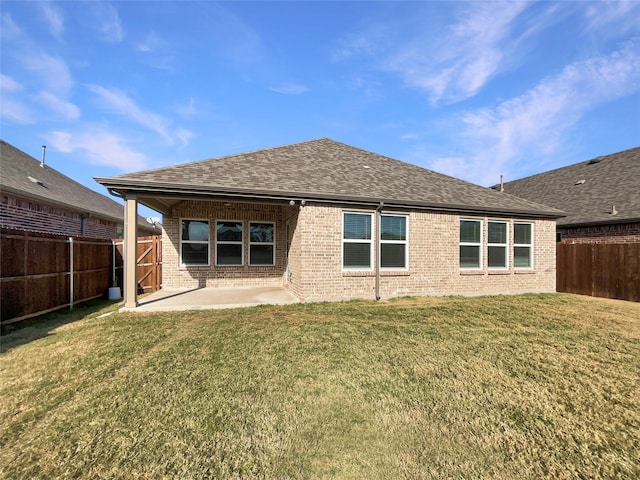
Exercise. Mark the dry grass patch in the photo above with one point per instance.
(528, 386)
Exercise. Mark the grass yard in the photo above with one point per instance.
(507, 387)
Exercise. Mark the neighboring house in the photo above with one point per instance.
(36, 197)
(332, 222)
(601, 198)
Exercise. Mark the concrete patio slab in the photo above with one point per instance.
(212, 298)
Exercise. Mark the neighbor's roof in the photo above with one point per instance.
(323, 170)
(589, 190)
(21, 174)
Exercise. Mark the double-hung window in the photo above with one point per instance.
(356, 241)
(393, 242)
(471, 244)
(194, 242)
(261, 243)
(497, 238)
(523, 245)
(229, 249)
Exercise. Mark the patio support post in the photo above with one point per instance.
(130, 251)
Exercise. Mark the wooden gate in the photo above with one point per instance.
(149, 260)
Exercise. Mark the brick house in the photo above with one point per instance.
(601, 198)
(38, 198)
(334, 222)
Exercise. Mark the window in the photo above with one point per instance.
(470, 244)
(523, 245)
(356, 241)
(229, 243)
(194, 242)
(261, 244)
(393, 241)
(497, 245)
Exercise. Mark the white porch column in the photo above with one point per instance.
(130, 251)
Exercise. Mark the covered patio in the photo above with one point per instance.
(212, 298)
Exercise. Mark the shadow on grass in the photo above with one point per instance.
(15, 334)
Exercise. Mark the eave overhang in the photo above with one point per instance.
(148, 191)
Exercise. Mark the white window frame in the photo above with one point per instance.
(471, 244)
(226, 242)
(404, 242)
(529, 245)
(355, 240)
(501, 245)
(200, 242)
(273, 244)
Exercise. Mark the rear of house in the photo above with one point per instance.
(334, 222)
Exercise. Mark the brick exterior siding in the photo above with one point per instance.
(25, 214)
(619, 233)
(314, 271)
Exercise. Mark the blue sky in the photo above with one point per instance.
(473, 90)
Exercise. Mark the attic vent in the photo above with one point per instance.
(580, 182)
(35, 180)
(594, 161)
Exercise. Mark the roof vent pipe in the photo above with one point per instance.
(501, 183)
(613, 210)
(44, 149)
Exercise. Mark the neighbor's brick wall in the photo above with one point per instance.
(176, 276)
(25, 214)
(433, 260)
(620, 233)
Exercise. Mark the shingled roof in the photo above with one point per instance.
(588, 191)
(324, 170)
(23, 175)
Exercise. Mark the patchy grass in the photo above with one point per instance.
(504, 387)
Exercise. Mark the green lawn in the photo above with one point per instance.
(508, 387)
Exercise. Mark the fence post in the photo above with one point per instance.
(70, 273)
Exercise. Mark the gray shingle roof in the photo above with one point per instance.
(588, 190)
(324, 169)
(51, 186)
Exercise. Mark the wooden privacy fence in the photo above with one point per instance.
(600, 270)
(42, 272)
(149, 259)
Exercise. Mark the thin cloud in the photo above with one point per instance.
(456, 65)
(54, 18)
(64, 109)
(120, 103)
(535, 122)
(16, 111)
(8, 84)
(289, 89)
(623, 14)
(101, 147)
(107, 23)
(52, 72)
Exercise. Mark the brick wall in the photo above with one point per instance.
(619, 233)
(25, 214)
(177, 276)
(433, 260)
(314, 271)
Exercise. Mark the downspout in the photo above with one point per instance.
(378, 210)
